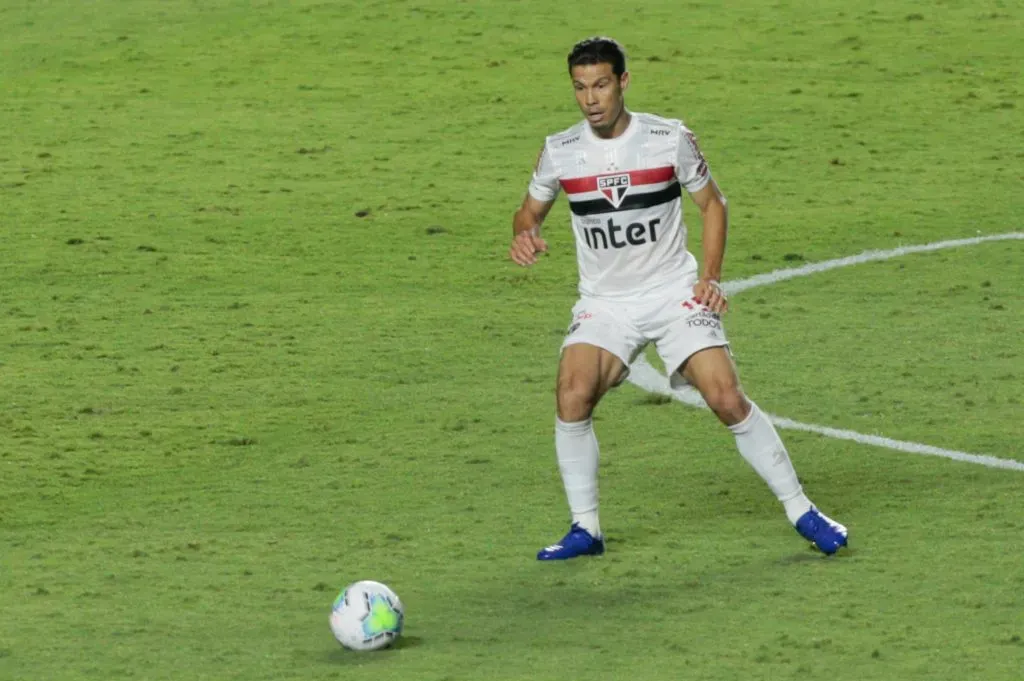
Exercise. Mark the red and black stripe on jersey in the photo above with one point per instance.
(643, 192)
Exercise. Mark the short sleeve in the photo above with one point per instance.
(691, 168)
(544, 184)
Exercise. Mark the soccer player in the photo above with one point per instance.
(622, 172)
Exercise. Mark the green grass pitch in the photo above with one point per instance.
(259, 338)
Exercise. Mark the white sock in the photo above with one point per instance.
(762, 448)
(576, 447)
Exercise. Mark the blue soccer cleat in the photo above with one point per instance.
(827, 535)
(578, 542)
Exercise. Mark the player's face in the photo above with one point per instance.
(599, 94)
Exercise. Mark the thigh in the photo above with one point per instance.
(710, 370)
(589, 370)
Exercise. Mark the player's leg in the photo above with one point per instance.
(692, 343)
(595, 356)
(712, 371)
(585, 374)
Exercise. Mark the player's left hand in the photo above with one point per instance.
(710, 293)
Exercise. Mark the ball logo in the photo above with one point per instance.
(381, 618)
(614, 187)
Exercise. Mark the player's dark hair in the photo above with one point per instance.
(598, 50)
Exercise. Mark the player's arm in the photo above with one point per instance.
(693, 173)
(540, 196)
(714, 214)
(526, 241)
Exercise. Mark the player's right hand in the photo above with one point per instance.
(525, 247)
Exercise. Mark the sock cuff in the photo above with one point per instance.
(575, 427)
(747, 424)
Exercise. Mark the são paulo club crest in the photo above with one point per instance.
(614, 187)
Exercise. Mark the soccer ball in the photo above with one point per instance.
(367, 616)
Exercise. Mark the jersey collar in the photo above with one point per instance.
(630, 130)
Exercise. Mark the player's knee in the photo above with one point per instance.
(575, 399)
(728, 403)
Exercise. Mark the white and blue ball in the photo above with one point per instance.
(367, 615)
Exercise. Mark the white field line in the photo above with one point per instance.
(646, 377)
(733, 287)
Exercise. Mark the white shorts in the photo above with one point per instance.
(672, 319)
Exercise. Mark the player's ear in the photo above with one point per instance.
(624, 81)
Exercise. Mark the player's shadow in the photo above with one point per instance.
(340, 655)
(811, 555)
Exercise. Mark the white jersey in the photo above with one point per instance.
(625, 198)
